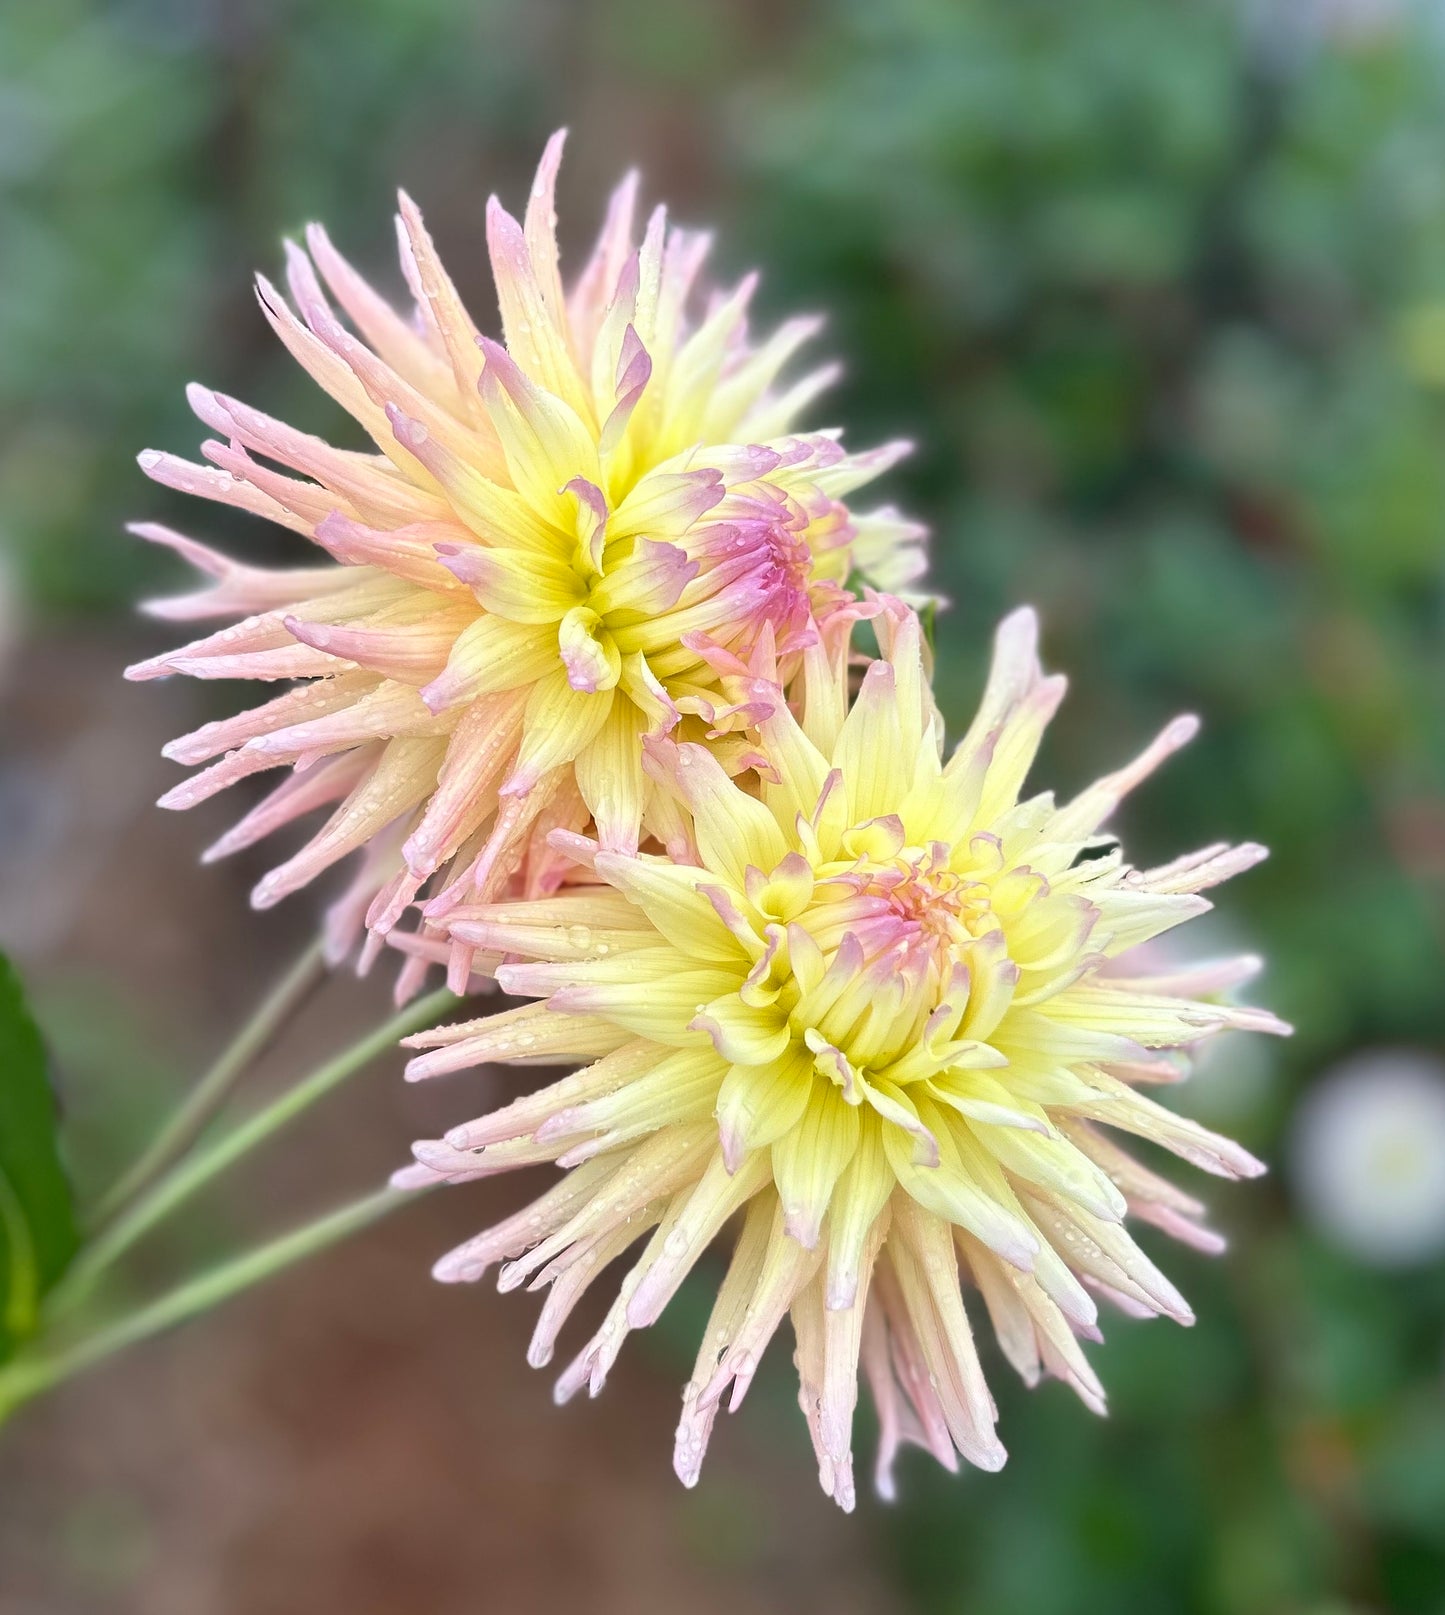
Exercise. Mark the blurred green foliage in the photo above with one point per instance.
(1160, 291)
(38, 1232)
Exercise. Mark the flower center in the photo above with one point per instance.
(876, 963)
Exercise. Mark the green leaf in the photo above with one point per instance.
(38, 1234)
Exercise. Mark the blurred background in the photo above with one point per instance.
(1160, 292)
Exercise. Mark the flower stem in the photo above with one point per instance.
(208, 1160)
(210, 1093)
(37, 1370)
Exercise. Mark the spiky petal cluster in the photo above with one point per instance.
(542, 558)
(886, 1014)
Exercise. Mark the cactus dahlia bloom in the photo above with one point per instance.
(543, 554)
(889, 1016)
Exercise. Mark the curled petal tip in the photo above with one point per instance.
(412, 1176)
(1020, 628)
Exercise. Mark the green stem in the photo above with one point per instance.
(208, 1161)
(35, 1371)
(210, 1093)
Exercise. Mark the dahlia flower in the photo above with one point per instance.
(883, 1013)
(550, 548)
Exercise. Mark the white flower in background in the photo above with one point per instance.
(1369, 1156)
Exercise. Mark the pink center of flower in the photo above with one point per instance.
(764, 567)
(906, 909)
(921, 911)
